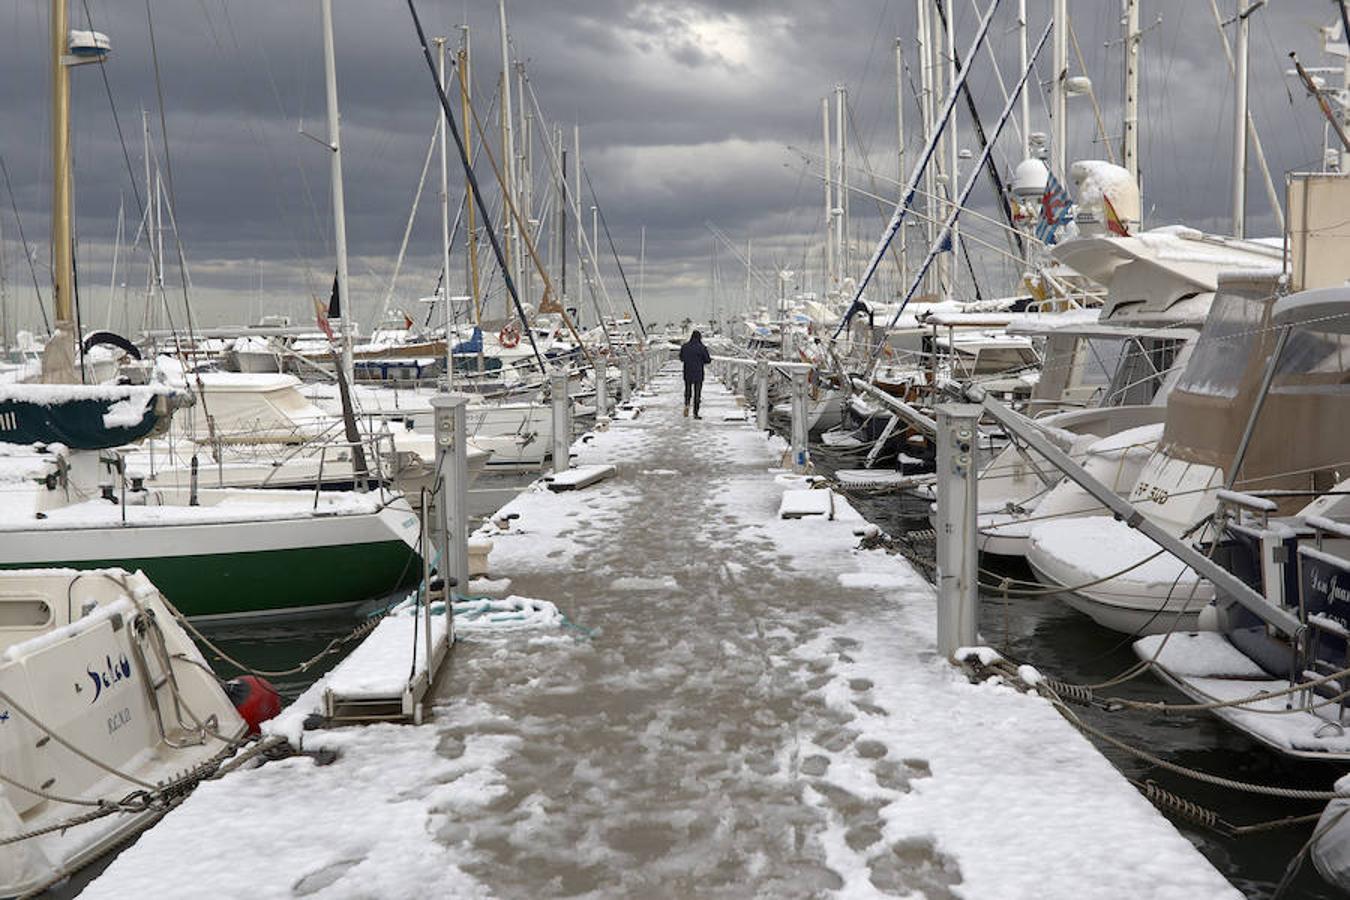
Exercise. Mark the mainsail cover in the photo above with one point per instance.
(84, 417)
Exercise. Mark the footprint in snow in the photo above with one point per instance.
(915, 865)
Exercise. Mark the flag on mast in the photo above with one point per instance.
(1056, 210)
(1114, 223)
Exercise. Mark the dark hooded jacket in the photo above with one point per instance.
(694, 356)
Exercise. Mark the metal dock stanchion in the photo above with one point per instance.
(601, 389)
(626, 383)
(562, 421)
(762, 397)
(452, 461)
(957, 520)
(800, 455)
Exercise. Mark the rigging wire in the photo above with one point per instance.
(27, 253)
(613, 249)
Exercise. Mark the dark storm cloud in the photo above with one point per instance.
(685, 108)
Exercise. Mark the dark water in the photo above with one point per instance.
(1067, 645)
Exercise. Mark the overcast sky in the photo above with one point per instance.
(687, 111)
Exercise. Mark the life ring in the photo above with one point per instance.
(509, 336)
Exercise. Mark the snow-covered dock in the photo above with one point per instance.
(730, 704)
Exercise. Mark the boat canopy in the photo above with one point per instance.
(85, 417)
(1298, 441)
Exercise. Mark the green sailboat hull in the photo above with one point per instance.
(269, 582)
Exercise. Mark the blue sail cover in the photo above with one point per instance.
(83, 417)
(473, 345)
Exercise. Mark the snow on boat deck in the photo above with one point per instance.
(746, 706)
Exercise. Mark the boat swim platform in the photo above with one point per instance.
(728, 703)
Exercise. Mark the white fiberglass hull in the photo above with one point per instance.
(91, 673)
(241, 553)
(1117, 576)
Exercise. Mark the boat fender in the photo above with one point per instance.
(254, 699)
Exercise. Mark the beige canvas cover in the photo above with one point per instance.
(1300, 441)
(1318, 230)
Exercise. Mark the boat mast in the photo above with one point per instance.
(1130, 150)
(922, 38)
(508, 157)
(1240, 123)
(4, 284)
(900, 145)
(58, 359)
(1059, 107)
(829, 199)
(63, 269)
(954, 149)
(465, 99)
(148, 318)
(525, 178)
(442, 137)
(339, 205)
(1025, 99)
(841, 141)
(583, 275)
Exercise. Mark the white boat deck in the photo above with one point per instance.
(723, 703)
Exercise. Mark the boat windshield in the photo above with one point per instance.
(1323, 356)
(1223, 351)
(1145, 363)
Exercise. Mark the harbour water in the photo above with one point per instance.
(1065, 644)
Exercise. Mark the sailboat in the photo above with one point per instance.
(70, 500)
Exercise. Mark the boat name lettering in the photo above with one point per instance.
(118, 719)
(111, 673)
(1145, 491)
(1326, 589)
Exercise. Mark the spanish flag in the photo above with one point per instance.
(1114, 224)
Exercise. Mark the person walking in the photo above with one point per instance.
(694, 356)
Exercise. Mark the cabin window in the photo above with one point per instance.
(1315, 352)
(24, 612)
(1101, 357)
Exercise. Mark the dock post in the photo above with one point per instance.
(762, 395)
(452, 461)
(800, 455)
(626, 382)
(601, 389)
(562, 420)
(957, 521)
(735, 379)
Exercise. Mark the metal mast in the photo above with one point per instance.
(508, 156)
(1130, 150)
(465, 101)
(841, 139)
(900, 146)
(445, 218)
(1240, 123)
(339, 204)
(954, 146)
(829, 198)
(923, 36)
(1059, 138)
(1025, 99)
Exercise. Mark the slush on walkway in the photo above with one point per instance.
(723, 703)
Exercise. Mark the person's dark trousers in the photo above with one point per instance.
(693, 389)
